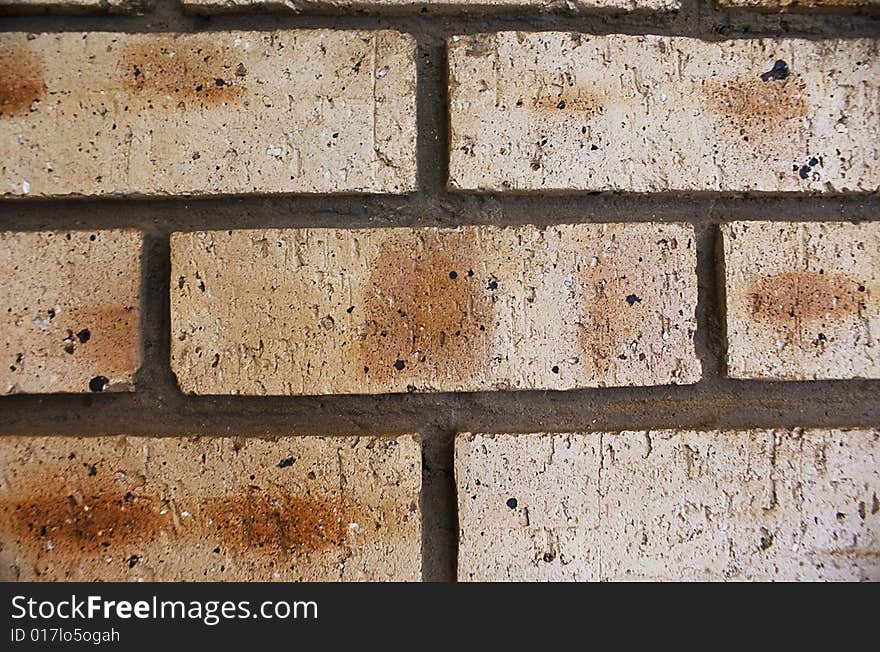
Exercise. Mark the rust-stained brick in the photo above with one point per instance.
(785, 504)
(394, 6)
(336, 311)
(568, 112)
(803, 300)
(308, 111)
(210, 509)
(70, 313)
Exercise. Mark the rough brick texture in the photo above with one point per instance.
(561, 111)
(130, 508)
(801, 5)
(333, 311)
(70, 312)
(312, 111)
(211, 6)
(748, 505)
(803, 300)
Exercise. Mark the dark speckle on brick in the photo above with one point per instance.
(512, 503)
(633, 299)
(287, 461)
(99, 383)
(779, 71)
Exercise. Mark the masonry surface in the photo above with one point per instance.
(349, 293)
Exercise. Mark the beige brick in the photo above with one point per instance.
(210, 509)
(803, 300)
(311, 111)
(801, 5)
(334, 311)
(561, 111)
(211, 6)
(68, 6)
(670, 505)
(70, 314)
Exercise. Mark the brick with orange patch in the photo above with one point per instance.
(802, 300)
(116, 508)
(190, 71)
(22, 81)
(428, 313)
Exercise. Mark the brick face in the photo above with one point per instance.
(70, 313)
(311, 111)
(670, 505)
(324, 311)
(561, 111)
(803, 300)
(255, 238)
(212, 6)
(189, 509)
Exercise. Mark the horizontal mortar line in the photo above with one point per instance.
(810, 400)
(704, 23)
(216, 214)
(701, 20)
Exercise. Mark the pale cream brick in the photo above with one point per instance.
(567, 112)
(670, 505)
(310, 111)
(210, 509)
(212, 6)
(803, 300)
(844, 6)
(335, 311)
(70, 313)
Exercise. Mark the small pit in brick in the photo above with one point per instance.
(99, 383)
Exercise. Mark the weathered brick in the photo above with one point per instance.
(67, 6)
(310, 111)
(801, 5)
(335, 311)
(561, 111)
(803, 300)
(212, 6)
(186, 509)
(670, 505)
(70, 314)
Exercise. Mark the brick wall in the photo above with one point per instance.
(487, 290)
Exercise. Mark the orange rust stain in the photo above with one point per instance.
(610, 322)
(80, 516)
(22, 79)
(191, 70)
(753, 109)
(427, 311)
(102, 336)
(615, 302)
(291, 523)
(88, 511)
(793, 298)
(563, 93)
